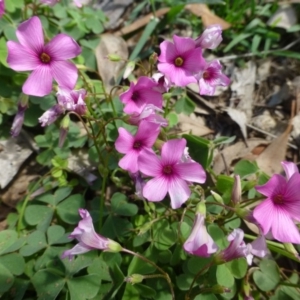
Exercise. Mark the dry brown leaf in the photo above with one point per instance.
(236, 152)
(238, 117)
(141, 22)
(109, 70)
(208, 18)
(193, 124)
(270, 160)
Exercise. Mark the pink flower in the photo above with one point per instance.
(88, 239)
(47, 61)
(210, 38)
(163, 83)
(140, 94)
(51, 115)
(72, 100)
(281, 208)
(148, 114)
(2, 8)
(131, 146)
(238, 248)
(50, 2)
(170, 174)
(180, 61)
(139, 184)
(200, 242)
(211, 77)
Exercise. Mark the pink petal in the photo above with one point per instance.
(276, 185)
(65, 73)
(172, 151)
(179, 192)
(184, 44)
(130, 161)
(125, 141)
(147, 133)
(77, 249)
(264, 214)
(39, 82)
(21, 58)
(149, 164)
(205, 88)
(167, 52)
(62, 47)
(30, 34)
(151, 97)
(156, 189)
(145, 82)
(192, 172)
(177, 76)
(193, 61)
(284, 229)
(290, 168)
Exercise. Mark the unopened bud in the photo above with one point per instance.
(134, 278)
(217, 197)
(290, 248)
(128, 69)
(114, 57)
(153, 58)
(64, 128)
(236, 190)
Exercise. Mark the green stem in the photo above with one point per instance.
(102, 200)
(27, 198)
(165, 275)
(188, 295)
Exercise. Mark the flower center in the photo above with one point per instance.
(178, 61)
(45, 58)
(135, 96)
(206, 75)
(137, 145)
(167, 170)
(278, 199)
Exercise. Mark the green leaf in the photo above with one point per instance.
(14, 262)
(115, 227)
(50, 256)
(195, 264)
(3, 51)
(224, 183)
(238, 267)
(138, 266)
(68, 209)
(118, 280)
(56, 235)
(47, 284)
(164, 236)
(120, 205)
(236, 40)
(7, 238)
(18, 289)
(224, 276)
(6, 279)
(198, 149)
(35, 242)
(245, 168)
(144, 38)
(84, 287)
(268, 277)
(185, 105)
(286, 53)
(34, 214)
(217, 235)
(100, 268)
(184, 281)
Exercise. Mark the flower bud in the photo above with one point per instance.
(217, 197)
(64, 128)
(134, 278)
(113, 246)
(236, 190)
(290, 248)
(210, 38)
(128, 69)
(114, 57)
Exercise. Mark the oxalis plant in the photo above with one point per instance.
(153, 221)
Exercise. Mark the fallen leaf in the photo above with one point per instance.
(141, 22)
(235, 152)
(208, 18)
(238, 117)
(109, 70)
(284, 17)
(193, 124)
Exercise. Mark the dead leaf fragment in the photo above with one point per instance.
(208, 18)
(285, 17)
(193, 124)
(240, 118)
(109, 70)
